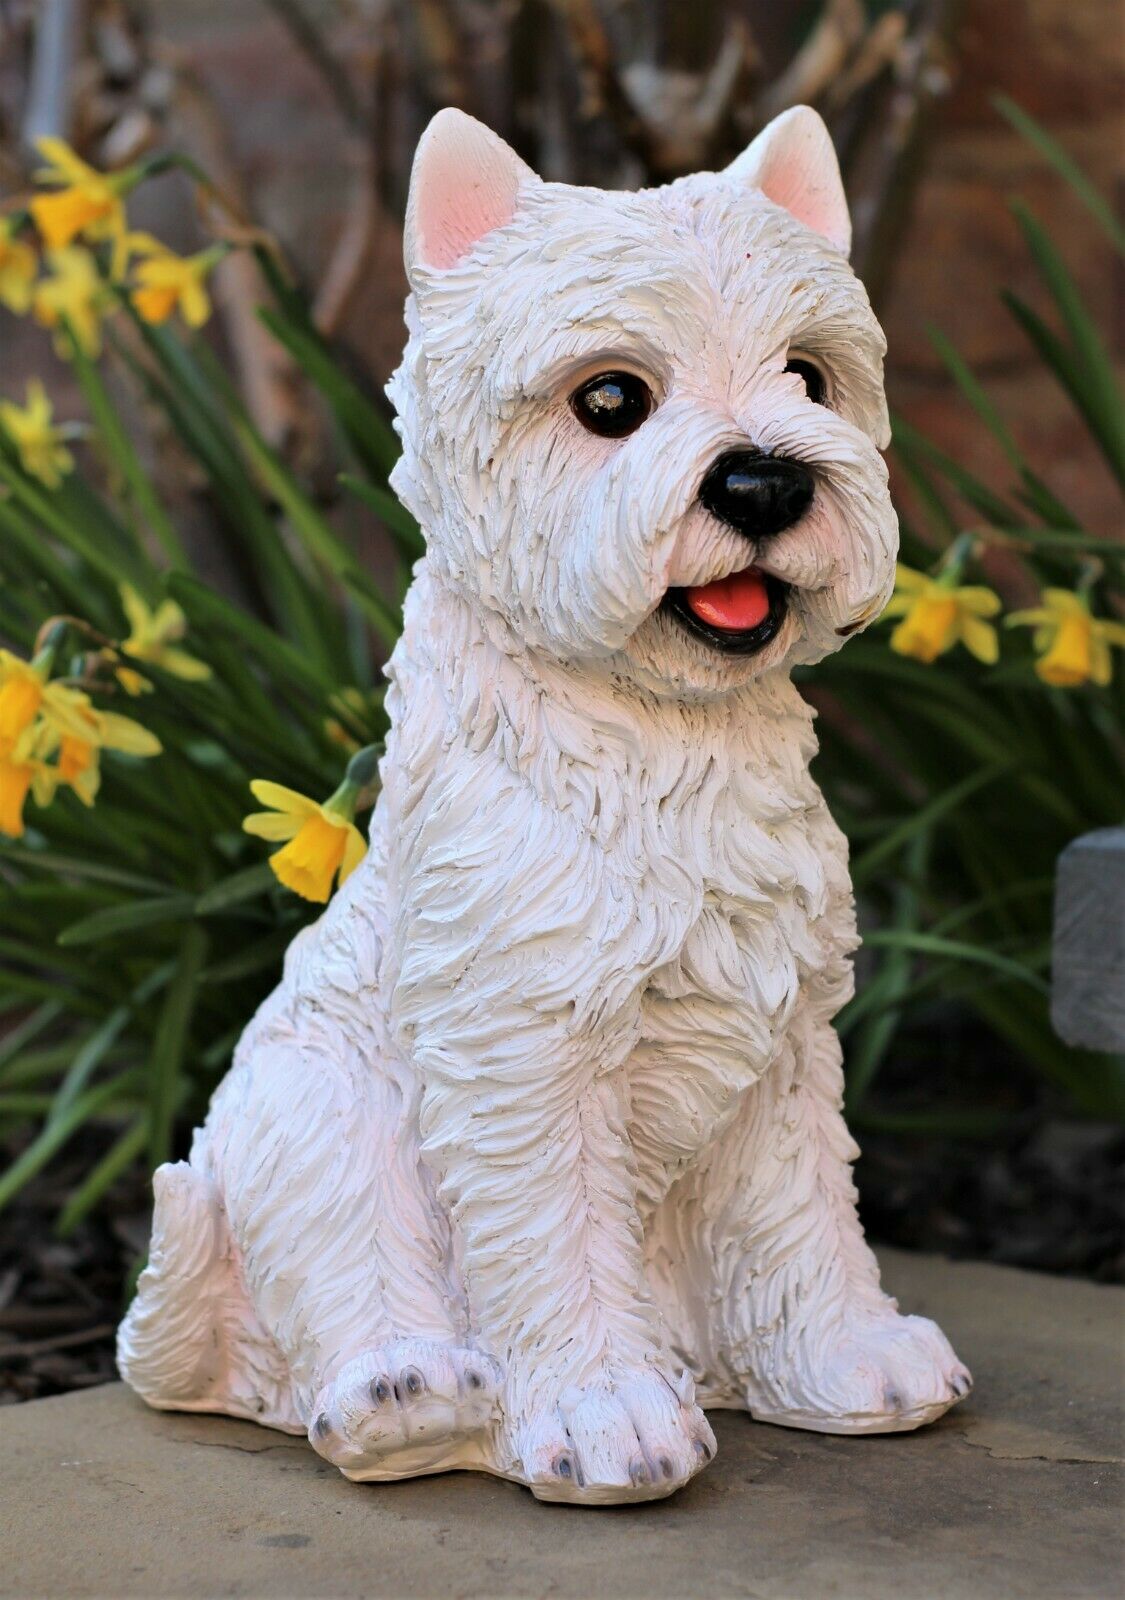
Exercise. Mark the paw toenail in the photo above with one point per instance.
(961, 1387)
(703, 1450)
(380, 1391)
(638, 1471)
(474, 1380)
(892, 1399)
(666, 1466)
(322, 1425)
(564, 1467)
(413, 1381)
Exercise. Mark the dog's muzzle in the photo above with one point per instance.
(759, 496)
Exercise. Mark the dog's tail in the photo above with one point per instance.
(191, 1340)
(168, 1347)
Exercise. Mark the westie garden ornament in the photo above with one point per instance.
(537, 1150)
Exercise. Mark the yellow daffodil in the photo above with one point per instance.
(78, 766)
(937, 614)
(50, 734)
(18, 266)
(165, 283)
(78, 758)
(22, 772)
(21, 694)
(16, 774)
(26, 694)
(88, 203)
(39, 443)
(1072, 645)
(320, 839)
(153, 636)
(74, 292)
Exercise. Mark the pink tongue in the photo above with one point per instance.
(735, 603)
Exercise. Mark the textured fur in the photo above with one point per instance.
(537, 1149)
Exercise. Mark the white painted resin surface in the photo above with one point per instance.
(537, 1149)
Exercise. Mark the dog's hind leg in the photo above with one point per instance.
(313, 1142)
(191, 1340)
(758, 1259)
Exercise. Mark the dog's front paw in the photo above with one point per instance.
(411, 1406)
(634, 1438)
(879, 1375)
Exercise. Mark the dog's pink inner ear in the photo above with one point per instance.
(465, 183)
(793, 162)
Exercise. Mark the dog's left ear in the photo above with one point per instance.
(793, 163)
(464, 183)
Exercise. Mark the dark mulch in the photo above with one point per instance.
(61, 1299)
(1050, 1198)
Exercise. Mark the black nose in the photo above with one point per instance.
(755, 493)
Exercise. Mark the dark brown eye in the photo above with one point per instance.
(815, 386)
(612, 404)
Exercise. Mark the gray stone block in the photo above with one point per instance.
(1088, 957)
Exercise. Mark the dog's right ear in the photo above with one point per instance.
(464, 183)
(793, 163)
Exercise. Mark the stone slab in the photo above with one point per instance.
(1015, 1494)
(1088, 947)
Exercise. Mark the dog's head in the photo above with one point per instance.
(647, 426)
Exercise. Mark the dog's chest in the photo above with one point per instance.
(751, 843)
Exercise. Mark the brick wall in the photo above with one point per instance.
(1063, 61)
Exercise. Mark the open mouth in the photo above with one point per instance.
(738, 614)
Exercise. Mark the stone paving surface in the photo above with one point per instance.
(1016, 1494)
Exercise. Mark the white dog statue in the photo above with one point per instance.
(537, 1150)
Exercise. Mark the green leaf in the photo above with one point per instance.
(913, 448)
(924, 819)
(959, 949)
(368, 431)
(1035, 134)
(30, 1066)
(1095, 1083)
(318, 537)
(47, 510)
(88, 1059)
(26, 855)
(1087, 372)
(55, 1134)
(25, 1032)
(1041, 498)
(104, 1174)
(205, 608)
(249, 884)
(1042, 887)
(197, 412)
(23, 1104)
(1073, 542)
(120, 447)
(391, 511)
(264, 956)
(170, 1042)
(865, 1056)
(26, 535)
(98, 1044)
(128, 917)
(965, 380)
